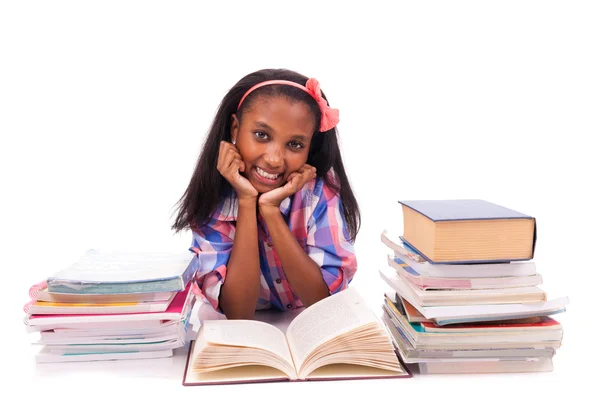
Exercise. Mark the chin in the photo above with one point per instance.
(263, 188)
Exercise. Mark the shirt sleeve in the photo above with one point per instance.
(212, 243)
(328, 242)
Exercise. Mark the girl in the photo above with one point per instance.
(269, 204)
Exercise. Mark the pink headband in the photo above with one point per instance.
(329, 116)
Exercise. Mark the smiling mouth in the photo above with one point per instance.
(265, 177)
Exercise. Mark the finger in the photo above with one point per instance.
(234, 164)
(291, 176)
(231, 170)
(230, 158)
(308, 173)
(292, 185)
(308, 166)
(221, 156)
(225, 146)
(306, 176)
(231, 147)
(302, 169)
(225, 149)
(297, 182)
(224, 160)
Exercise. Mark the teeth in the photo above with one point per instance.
(266, 174)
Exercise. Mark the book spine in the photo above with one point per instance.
(27, 307)
(34, 290)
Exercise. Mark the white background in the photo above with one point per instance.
(104, 106)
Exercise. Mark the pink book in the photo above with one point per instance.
(182, 302)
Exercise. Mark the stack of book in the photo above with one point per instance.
(113, 305)
(465, 293)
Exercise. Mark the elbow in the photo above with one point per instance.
(317, 299)
(235, 307)
(239, 314)
(322, 293)
(237, 301)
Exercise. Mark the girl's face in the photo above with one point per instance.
(273, 140)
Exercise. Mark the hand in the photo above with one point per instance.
(295, 181)
(230, 165)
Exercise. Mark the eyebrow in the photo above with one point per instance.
(265, 126)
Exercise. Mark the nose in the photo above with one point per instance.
(274, 156)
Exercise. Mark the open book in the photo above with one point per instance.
(336, 338)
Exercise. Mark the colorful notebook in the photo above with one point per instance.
(39, 292)
(99, 272)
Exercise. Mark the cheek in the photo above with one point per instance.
(246, 154)
(296, 161)
(249, 150)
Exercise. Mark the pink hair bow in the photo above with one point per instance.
(329, 116)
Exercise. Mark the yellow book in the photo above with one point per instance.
(47, 307)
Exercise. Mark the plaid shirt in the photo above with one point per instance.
(314, 216)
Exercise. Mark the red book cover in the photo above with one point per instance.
(528, 323)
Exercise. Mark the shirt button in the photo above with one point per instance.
(289, 306)
(278, 280)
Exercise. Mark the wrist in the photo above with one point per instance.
(247, 202)
(265, 202)
(268, 210)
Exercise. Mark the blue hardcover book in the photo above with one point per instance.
(467, 231)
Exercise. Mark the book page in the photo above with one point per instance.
(277, 318)
(323, 321)
(245, 374)
(239, 374)
(244, 333)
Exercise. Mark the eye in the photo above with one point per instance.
(296, 145)
(261, 135)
